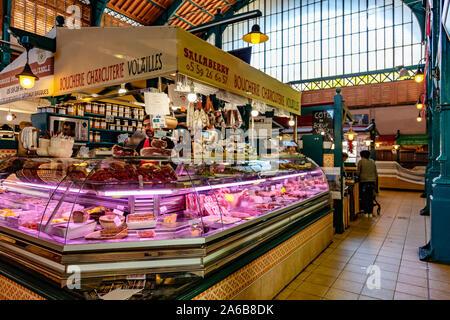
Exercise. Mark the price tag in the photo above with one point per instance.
(283, 190)
(163, 209)
(158, 121)
(194, 222)
(120, 213)
(121, 208)
(117, 221)
(109, 118)
(136, 277)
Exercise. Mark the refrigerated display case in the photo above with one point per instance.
(113, 218)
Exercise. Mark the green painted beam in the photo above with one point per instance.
(201, 8)
(156, 4)
(234, 8)
(180, 18)
(164, 18)
(419, 12)
(34, 40)
(98, 7)
(5, 57)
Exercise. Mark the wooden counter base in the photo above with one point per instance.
(266, 276)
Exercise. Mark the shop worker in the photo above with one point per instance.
(68, 129)
(367, 172)
(149, 131)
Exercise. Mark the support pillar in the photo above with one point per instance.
(438, 249)
(97, 9)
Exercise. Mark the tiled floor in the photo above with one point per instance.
(389, 242)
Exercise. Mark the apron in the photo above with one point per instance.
(147, 145)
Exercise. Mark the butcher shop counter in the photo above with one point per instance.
(93, 228)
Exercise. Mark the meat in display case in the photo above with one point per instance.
(119, 216)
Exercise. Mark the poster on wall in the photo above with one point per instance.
(323, 124)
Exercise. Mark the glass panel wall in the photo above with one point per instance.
(311, 39)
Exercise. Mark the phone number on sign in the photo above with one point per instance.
(205, 72)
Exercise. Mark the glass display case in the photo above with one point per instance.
(116, 216)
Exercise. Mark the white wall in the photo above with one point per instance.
(391, 119)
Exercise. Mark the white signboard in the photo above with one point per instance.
(41, 63)
(111, 56)
(156, 103)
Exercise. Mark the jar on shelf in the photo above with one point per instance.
(51, 109)
(61, 109)
(80, 110)
(118, 122)
(101, 109)
(120, 109)
(104, 124)
(112, 126)
(88, 107)
(95, 108)
(91, 137)
(97, 137)
(108, 107)
(70, 109)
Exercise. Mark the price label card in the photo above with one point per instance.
(159, 121)
(117, 221)
(163, 209)
(194, 222)
(119, 212)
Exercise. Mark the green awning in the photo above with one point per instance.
(412, 139)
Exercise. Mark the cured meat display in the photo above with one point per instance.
(119, 151)
(155, 152)
(122, 172)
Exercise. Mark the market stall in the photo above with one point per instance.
(204, 225)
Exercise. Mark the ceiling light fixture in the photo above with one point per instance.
(27, 78)
(122, 89)
(419, 76)
(255, 36)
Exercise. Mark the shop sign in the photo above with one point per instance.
(111, 56)
(41, 63)
(204, 62)
(323, 124)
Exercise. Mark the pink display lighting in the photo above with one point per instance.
(50, 187)
(289, 176)
(226, 185)
(137, 192)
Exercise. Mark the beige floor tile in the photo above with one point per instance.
(297, 295)
(339, 265)
(353, 276)
(360, 262)
(386, 267)
(311, 288)
(388, 260)
(412, 289)
(419, 273)
(336, 294)
(363, 297)
(388, 284)
(440, 285)
(420, 282)
(356, 268)
(390, 254)
(383, 294)
(388, 275)
(404, 296)
(414, 264)
(346, 285)
(439, 295)
(338, 257)
(321, 279)
(364, 256)
(328, 271)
